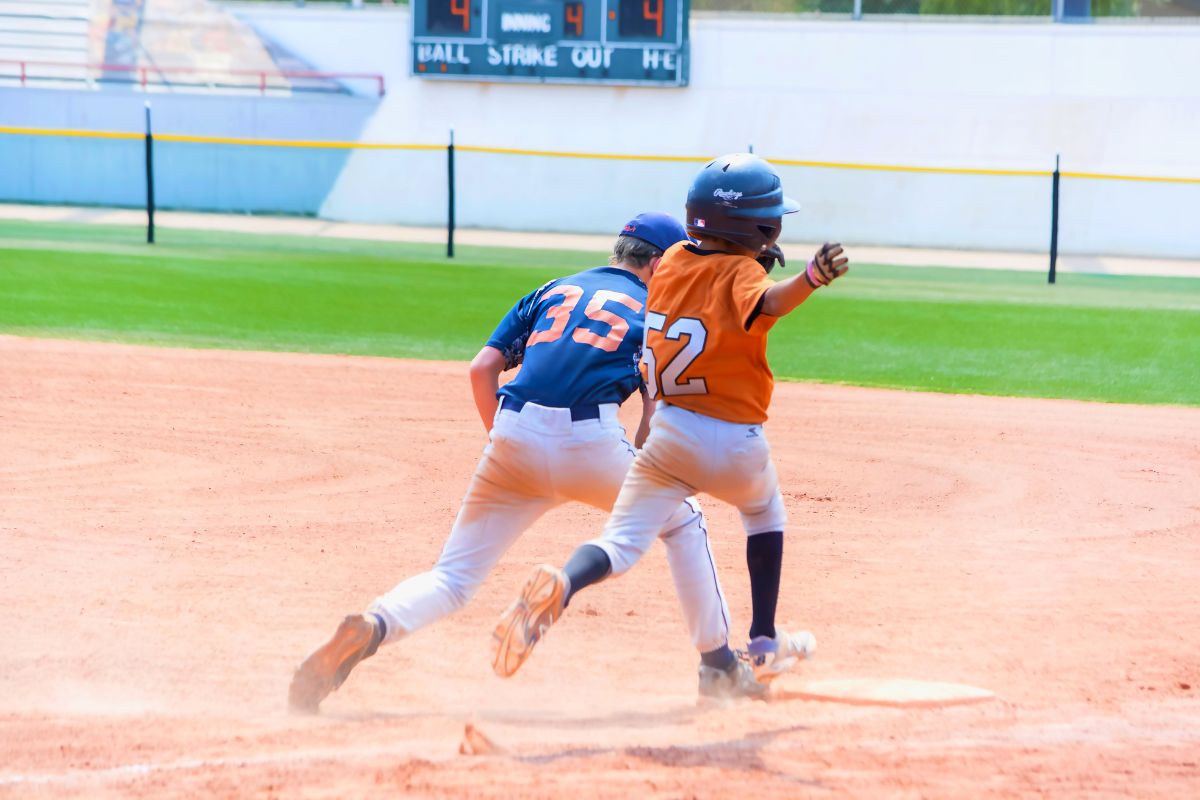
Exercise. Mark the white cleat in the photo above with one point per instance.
(773, 657)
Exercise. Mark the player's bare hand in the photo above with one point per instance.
(829, 264)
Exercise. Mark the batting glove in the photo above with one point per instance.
(826, 266)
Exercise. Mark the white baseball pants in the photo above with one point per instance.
(538, 459)
(687, 453)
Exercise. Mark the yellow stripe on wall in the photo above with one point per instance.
(508, 151)
(1102, 176)
(176, 137)
(306, 143)
(70, 134)
(902, 168)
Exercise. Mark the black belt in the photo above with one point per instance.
(578, 413)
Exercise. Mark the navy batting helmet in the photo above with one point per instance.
(739, 198)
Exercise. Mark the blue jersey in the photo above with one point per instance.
(579, 339)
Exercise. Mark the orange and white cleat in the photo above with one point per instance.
(526, 621)
(329, 665)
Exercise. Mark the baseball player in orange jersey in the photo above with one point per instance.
(554, 437)
(708, 314)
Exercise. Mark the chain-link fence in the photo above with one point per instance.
(985, 8)
(1071, 9)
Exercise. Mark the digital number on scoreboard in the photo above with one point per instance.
(633, 42)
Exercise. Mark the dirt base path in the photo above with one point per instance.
(180, 527)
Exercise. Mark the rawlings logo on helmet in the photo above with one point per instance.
(726, 194)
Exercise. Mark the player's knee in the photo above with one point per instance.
(684, 540)
(457, 588)
(686, 524)
(772, 517)
(623, 554)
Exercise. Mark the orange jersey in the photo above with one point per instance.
(706, 340)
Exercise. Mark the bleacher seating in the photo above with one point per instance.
(161, 45)
(46, 31)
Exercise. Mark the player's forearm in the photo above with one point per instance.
(829, 264)
(643, 427)
(485, 381)
(783, 298)
(643, 430)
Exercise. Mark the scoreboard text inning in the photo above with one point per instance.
(565, 41)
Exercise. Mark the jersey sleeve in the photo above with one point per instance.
(750, 284)
(514, 329)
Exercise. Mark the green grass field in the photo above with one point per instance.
(1121, 339)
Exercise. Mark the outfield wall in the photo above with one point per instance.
(1109, 98)
(88, 171)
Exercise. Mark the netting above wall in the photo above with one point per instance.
(985, 8)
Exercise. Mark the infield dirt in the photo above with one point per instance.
(180, 528)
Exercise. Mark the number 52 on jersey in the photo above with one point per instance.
(667, 379)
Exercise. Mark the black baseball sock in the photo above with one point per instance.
(764, 559)
(380, 625)
(722, 658)
(587, 565)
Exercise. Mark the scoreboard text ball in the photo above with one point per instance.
(557, 41)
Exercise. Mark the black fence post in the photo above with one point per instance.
(149, 178)
(1054, 222)
(450, 193)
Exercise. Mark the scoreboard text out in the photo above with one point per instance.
(572, 41)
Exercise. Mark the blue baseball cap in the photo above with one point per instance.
(656, 228)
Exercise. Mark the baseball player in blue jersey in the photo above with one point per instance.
(554, 437)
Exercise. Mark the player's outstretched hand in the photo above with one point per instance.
(827, 265)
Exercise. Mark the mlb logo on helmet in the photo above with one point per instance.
(697, 222)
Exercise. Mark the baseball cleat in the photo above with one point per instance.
(737, 681)
(329, 665)
(527, 619)
(773, 657)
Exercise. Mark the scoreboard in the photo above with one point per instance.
(630, 42)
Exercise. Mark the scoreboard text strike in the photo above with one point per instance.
(576, 41)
